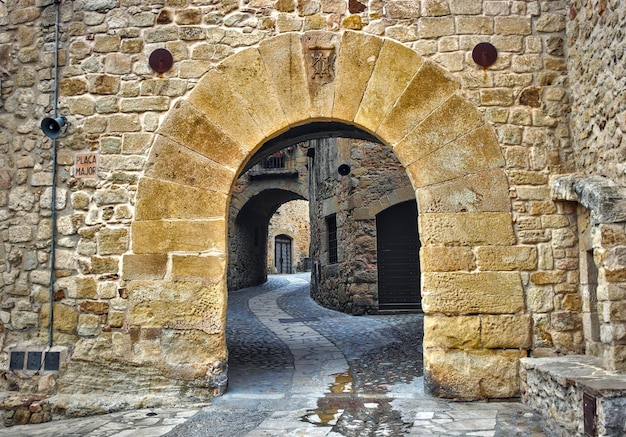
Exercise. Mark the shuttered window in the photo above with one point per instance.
(331, 226)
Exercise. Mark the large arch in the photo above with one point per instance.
(384, 88)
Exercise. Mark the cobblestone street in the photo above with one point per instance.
(297, 369)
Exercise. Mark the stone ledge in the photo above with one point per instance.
(604, 198)
(582, 370)
(554, 388)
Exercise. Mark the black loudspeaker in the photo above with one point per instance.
(52, 126)
(344, 169)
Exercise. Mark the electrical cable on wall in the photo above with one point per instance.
(54, 177)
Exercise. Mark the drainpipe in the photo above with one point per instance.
(54, 175)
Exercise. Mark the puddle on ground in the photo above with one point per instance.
(343, 383)
(326, 415)
(352, 414)
(323, 417)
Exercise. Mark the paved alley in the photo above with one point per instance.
(297, 369)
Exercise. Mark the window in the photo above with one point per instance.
(331, 227)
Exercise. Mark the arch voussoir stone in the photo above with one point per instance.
(450, 121)
(358, 55)
(426, 92)
(247, 77)
(395, 67)
(283, 57)
(214, 98)
(189, 126)
(174, 162)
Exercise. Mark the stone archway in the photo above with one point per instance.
(384, 88)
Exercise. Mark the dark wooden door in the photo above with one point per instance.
(398, 258)
(282, 254)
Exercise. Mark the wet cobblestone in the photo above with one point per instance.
(250, 342)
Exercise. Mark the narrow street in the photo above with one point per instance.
(296, 368)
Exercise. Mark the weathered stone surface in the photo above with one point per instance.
(209, 97)
(506, 258)
(65, 318)
(434, 27)
(135, 143)
(355, 64)
(283, 58)
(177, 201)
(247, 76)
(144, 104)
(208, 269)
(102, 265)
(178, 305)
(544, 278)
(167, 236)
(171, 162)
(477, 374)
(94, 307)
(79, 287)
(458, 293)
(474, 152)
(110, 197)
(485, 191)
(506, 332)
(395, 61)
(462, 332)
(189, 126)
(124, 123)
(512, 25)
(599, 194)
(147, 266)
(466, 229)
(192, 347)
(420, 105)
(112, 241)
(446, 259)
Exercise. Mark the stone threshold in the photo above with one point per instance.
(575, 395)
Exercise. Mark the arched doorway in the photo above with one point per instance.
(381, 87)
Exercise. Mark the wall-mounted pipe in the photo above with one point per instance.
(54, 176)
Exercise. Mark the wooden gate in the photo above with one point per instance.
(282, 254)
(398, 258)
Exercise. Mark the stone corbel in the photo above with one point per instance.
(604, 198)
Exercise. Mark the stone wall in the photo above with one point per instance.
(559, 388)
(596, 73)
(171, 144)
(595, 47)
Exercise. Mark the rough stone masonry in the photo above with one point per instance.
(139, 294)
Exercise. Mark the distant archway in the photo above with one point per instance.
(381, 87)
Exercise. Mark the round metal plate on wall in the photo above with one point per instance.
(484, 54)
(161, 60)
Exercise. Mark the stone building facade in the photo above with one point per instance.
(257, 195)
(516, 167)
(345, 277)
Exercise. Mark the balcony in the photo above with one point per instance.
(281, 164)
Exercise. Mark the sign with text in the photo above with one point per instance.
(86, 165)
